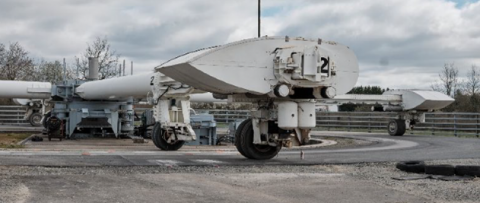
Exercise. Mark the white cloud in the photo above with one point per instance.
(399, 43)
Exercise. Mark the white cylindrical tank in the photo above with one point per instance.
(25, 89)
(206, 97)
(93, 67)
(136, 86)
(306, 115)
(287, 115)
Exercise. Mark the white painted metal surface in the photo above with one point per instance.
(422, 99)
(25, 90)
(306, 115)
(257, 65)
(206, 97)
(363, 99)
(136, 86)
(287, 115)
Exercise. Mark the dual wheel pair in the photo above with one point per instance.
(244, 143)
(161, 136)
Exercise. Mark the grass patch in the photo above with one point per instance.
(9, 140)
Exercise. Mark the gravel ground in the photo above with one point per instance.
(437, 190)
(14, 181)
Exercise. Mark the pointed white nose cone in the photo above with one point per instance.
(247, 66)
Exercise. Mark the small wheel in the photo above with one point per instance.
(254, 151)
(160, 138)
(238, 138)
(396, 127)
(35, 119)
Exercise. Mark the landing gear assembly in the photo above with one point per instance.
(244, 142)
(165, 139)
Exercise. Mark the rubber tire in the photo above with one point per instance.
(444, 170)
(238, 133)
(47, 115)
(161, 143)
(400, 127)
(31, 119)
(250, 150)
(411, 166)
(462, 170)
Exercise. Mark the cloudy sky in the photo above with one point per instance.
(399, 43)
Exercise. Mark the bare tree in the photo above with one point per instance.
(15, 63)
(108, 59)
(448, 80)
(472, 84)
(51, 71)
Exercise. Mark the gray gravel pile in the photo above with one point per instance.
(441, 191)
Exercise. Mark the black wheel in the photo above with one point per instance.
(47, 115)
(160, 137)
(253, 151)
(238, 138)
(412, 166)
(396, 127)
(444, 170)
(35, 119)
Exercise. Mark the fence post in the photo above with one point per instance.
(349, 122)
(433, 124)
(476, 127)
(369, 122)
(227, 117)
(18, 116)
(455, 124)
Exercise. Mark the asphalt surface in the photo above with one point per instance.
(384, 148)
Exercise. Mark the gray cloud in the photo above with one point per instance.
(399, 43)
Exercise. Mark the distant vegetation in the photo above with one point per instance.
(16, 64)
(372, 90)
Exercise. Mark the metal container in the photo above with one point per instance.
(287, 115)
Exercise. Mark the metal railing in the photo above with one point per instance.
(456, 124)
(12, 115)
(225, 116)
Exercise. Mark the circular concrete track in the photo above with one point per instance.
(383, 148)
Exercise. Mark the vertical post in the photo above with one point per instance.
(369, 122)
(123, 67)
(259, 16)
(455, 125)
(64, 70)
(476, 127)
(349, 122)
(119, 70)
(131, 68)
(78, 65)
(433, 124)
